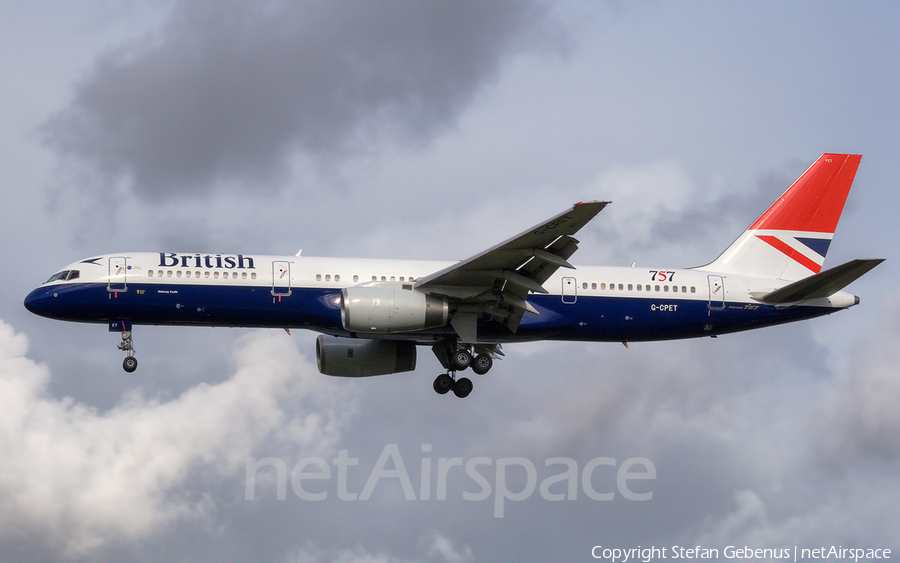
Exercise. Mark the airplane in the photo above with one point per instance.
(372, 314)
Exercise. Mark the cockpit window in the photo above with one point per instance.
(64, 275)
(58, 276)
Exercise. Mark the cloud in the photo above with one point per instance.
(435, 546)
(858, 417)
(77, 478)
(230, 90)
(660, 211)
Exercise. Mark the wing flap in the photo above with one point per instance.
(498, 280)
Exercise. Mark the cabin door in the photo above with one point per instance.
(569, 290)
(716, 293)
(281, 278)
(118, 267)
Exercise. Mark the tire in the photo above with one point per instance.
(463, 387)
(130, 364)
(482, 364)
(443, 383)
(460, 360)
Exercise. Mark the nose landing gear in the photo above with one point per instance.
(126, 345)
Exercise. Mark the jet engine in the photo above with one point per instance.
(357, 357)
(387, 309)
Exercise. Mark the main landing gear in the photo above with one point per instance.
(445, 382)
(456, 358)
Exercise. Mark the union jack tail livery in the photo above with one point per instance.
(789, 241)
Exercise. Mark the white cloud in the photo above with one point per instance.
(78, 478)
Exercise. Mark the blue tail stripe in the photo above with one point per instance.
(819, 245)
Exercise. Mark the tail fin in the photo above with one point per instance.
(789, 241)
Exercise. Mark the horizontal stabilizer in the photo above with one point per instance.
(823, 284)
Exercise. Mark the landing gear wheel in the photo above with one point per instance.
(463, 387)
(130, 364)
(461, 359)
(443, 383)
(482, 364)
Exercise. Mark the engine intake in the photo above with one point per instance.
(387, 309)
(356, 357)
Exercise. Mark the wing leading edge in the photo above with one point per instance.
(497, 281)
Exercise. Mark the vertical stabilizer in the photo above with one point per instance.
(789, 241)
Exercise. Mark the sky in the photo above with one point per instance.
(418, 129)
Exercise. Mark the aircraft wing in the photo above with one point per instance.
(498, 280)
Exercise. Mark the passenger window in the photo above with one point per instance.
(593, 286)
(159, 273)
(216, 275)
(337, 277)
(355, 278)
(318, 277)
(675, 288)
(168, 273)
(603, 286)
(243, 275)
(656, 288)
(383, 278)
(666, 288)
(197, 275)
(327, 277)
(150, 273)
(225, 275)
(206, 274)
(584, 285)
(683, 289)
(630, 287)
(393, 279)
(621, 287)
(187, 274)
(253, 276)
(693, 289)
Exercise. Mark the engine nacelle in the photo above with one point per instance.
(378, 309)
(357, 357)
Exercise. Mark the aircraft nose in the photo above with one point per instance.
(39, 301)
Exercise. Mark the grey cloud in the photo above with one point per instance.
(858, 420)
(229, 90)
(732, 208)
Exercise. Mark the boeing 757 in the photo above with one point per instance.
(373, 314)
